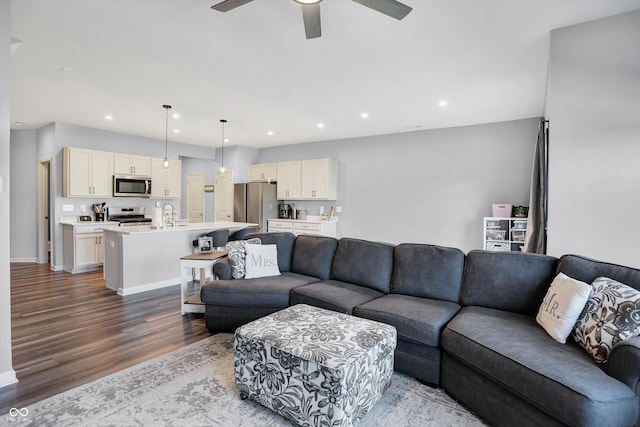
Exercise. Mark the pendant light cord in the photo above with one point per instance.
(223, 121)
(165, 163)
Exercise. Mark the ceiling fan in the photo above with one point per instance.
(311, 11)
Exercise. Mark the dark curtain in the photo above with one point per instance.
(536, 237)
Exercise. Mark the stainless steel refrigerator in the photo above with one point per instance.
(255, 202)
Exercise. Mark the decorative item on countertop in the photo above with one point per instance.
(520, 211)
(302, 214)
(502, 211)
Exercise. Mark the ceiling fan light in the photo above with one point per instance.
(307, 1)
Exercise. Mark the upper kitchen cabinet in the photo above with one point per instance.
(87, 173)
(288, 177)
(319, 179)
(166, 183)
(129, 164)
(263, 172)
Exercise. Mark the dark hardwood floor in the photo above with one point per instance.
(69, 329)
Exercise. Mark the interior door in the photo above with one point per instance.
(224, 196)
(195, 197)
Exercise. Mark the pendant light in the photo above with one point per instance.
(222, 168)
(165, 162)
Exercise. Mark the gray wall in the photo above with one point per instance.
(23, 198)
(594, 113)
(7, 375)
(426, 187)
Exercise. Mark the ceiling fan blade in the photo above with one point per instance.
(391, 8)
(227, 5)
(311, 18)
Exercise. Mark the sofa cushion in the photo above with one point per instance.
(611, 315)
(334, 295)
(512, 281)
(284, 242)
(588, 270)
(237, 256)
(363, 263)
(313, 255)
(263, 292)
(427, 271)
(559, 379)
(416, 319)
(562, 306)
(262, 261)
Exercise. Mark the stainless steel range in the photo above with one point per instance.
(128, 216)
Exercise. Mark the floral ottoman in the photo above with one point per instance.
(314, 366)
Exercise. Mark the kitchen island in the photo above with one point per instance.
(142, 258)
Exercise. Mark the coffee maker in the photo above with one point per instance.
(284, 210)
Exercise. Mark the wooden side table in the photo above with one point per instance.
(203, 262)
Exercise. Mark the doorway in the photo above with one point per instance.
(44, 211)
(195, 197)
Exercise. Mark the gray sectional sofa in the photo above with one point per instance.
(465, 323)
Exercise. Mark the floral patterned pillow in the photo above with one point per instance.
(611, 315)
(237, 255)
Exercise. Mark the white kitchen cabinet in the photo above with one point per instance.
(166, 183)
(263, 172)
(130, 164)
(89, 249)
(319, 179)
(83, 246)
(504, 234)
(288, 178)
(87, 173)
(279, 226)
(297, 226)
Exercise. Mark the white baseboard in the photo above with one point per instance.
(56, 267)
(149, 286)
(32, 260)
(8, 378)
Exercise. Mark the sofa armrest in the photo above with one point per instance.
(222, 269)
(624, 363)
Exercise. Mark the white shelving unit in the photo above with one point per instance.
(504, 234)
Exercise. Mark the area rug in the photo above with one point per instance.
(194, 386)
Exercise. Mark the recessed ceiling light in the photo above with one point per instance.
(364, 115)
(108, 117)
(176, 131)
(66, 69)
(226, 140)
(443, 103)
(270, 133)
(175, 116)
(19, 124)
(320, 125)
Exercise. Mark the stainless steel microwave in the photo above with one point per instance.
(131, 186)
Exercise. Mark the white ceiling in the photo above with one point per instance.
(82, 59)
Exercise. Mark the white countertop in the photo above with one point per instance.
(310, 218)
(147, 229)
(75, 223)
